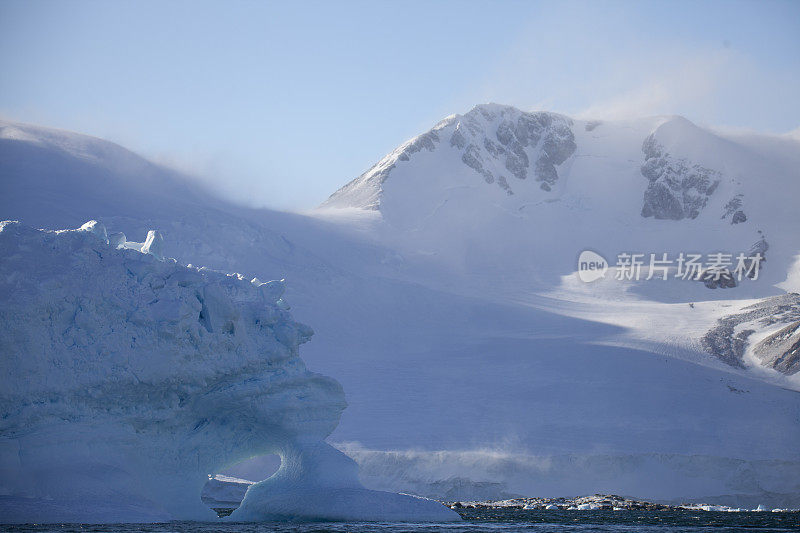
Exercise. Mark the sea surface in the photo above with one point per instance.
(478, 520)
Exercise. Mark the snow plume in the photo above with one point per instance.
(126, 378)
(493, 474)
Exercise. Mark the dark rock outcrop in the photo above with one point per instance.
(729, 339)
(678, 189)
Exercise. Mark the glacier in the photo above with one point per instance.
(128, 377)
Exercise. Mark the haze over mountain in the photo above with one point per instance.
(441, 285)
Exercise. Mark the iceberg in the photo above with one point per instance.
(126, 378)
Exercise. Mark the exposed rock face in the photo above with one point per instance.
(781, 350)
(730, 338)
(726, 279)
(678, 189)
(723, 280)
(501, 143)
(520, 142)
(733, 210)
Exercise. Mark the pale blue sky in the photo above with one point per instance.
(279, 104)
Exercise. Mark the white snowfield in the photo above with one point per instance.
(476, 364)
(127, 377)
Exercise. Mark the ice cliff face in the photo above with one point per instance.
(499, 143)
(127, 378)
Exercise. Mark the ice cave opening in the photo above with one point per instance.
(225, 489)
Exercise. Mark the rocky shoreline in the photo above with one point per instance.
(597, 502)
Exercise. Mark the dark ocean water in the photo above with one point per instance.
(478, 520)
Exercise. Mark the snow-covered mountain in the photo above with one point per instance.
(441, 285)
(541, 178)
(494, 141)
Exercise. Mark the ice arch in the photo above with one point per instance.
(318, 482)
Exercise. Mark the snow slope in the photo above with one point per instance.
(126, 378)
(472, 358)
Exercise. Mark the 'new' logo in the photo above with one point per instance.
(591, 266)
